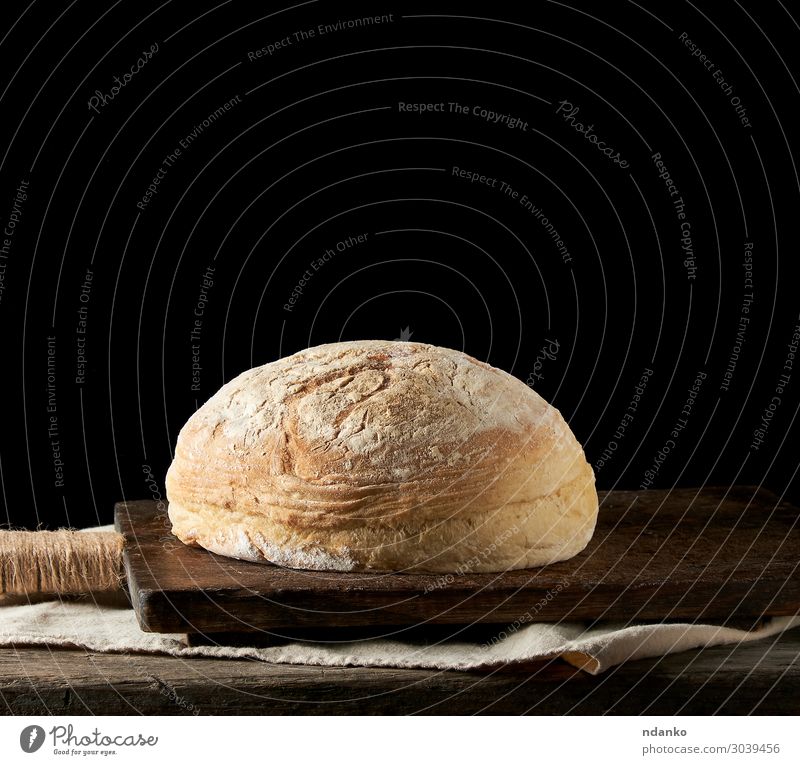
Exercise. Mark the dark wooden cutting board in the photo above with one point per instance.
(714, 554)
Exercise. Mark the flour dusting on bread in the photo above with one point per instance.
(381, 455)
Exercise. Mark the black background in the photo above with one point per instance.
(316, 151)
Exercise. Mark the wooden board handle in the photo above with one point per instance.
(60, 562)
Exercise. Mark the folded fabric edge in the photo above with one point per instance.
(583, 661)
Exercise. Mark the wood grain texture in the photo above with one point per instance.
(757, 678)
(688, 554)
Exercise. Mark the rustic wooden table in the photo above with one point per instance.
(758, 678)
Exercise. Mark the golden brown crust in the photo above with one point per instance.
(378, 455)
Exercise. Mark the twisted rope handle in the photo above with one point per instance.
(60, 562)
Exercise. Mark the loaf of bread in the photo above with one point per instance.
(384, 456)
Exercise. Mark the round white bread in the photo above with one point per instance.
(385, 456)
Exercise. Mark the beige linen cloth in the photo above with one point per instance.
(103, 627)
